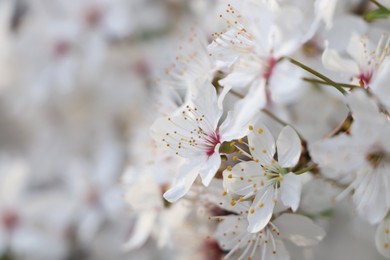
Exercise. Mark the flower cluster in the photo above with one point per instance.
(285, 96)
(194, 129)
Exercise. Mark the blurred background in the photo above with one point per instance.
(77, 96)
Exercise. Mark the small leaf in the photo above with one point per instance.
(381, 13)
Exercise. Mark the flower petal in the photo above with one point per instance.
(187, 175)
(241, 178)
(211, 167)
(289, 147)
(236, 123)
(337, 153)
(281, 253)
(262, 144)
(261, 211)
(206, 101)
(290, 190)
(143, 228)
(334, 62)
(382, 238)
(299, 229)
(380, 84)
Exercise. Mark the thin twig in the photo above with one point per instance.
(319, 75)
(326, 83)
(306, 169)
(277, 119)
(378, 4)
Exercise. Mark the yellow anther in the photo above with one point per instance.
(280, 178)
(260, 130)
(240, 141)
(262, 182)
(224, 193)
(252, 210)
(235, 158)
(250, 127)
(230, 176)
(232, 202)
(232, 144)
(261, 204)
(229, 168)
(264, 151)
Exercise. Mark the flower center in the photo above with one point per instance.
(365, 78)
(274, 173)
(271, 62)
(377, 158)
(10, 220)
(192, 133)
(211, 141)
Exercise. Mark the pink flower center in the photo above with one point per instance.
(365, 78)
(10, 220)
(211, 141)
(269, 68)
(61, 48)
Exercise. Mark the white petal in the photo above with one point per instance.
(290, 190)
(382, 238)
(262, 143)
(369, 196)
(239, 78)
(356, 48)
(381, 82)
(187, 175)
(246, 170)
(337, 153)
(222, 95)
(281, 252)
(206, 101)
(332, 61)
(236, 123)
(299, 229)
(289, 147)
(285, 84)
(141, 231)
(325, 9)
(211, 167)
(263, 207)
(229, 230)
(367, 118)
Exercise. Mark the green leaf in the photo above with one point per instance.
(381, 13)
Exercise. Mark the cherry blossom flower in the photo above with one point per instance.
(256, 40)
(266, 244)
(360, 159)
(194, 132)
(266, 178)
(364, 61)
